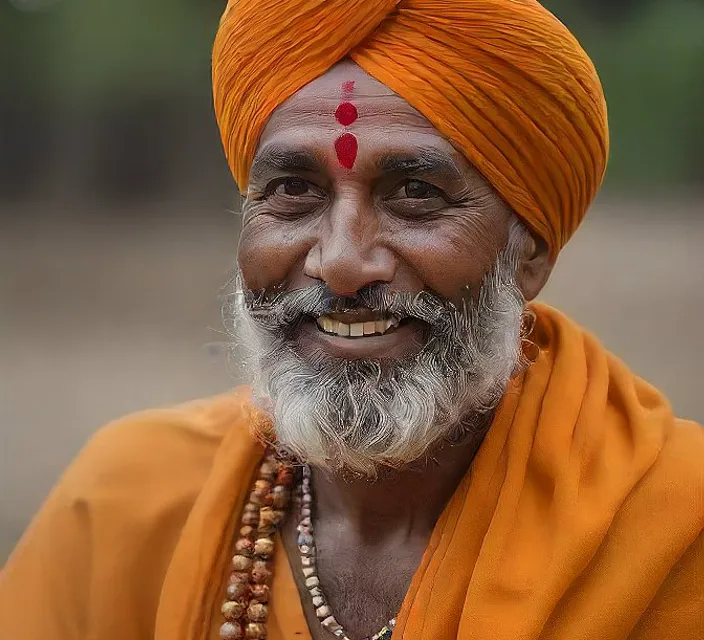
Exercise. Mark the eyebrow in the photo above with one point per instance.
(423, 160)
(275, 158)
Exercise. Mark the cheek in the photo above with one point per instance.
(447, 259)
(270, 252)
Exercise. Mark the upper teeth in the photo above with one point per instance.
(327, 324)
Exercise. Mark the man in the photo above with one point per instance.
(444, 459)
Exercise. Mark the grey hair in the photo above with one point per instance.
(362, 415)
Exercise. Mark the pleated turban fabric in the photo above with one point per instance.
(503, 80)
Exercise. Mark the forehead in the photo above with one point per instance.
(383, 119)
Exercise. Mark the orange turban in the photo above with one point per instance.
(503, 80)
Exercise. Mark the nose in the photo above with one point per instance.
(349, 253)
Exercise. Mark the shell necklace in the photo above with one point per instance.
(306, 548)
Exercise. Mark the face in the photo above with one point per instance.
(373, 257)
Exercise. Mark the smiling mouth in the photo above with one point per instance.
(360, 324)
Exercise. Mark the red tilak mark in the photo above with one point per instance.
(348, 87)
(346, 149)
(346, 114)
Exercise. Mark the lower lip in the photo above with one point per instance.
(406, 340)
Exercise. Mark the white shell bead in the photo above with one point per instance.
(323, 612)
(329, 622)
(312, 582)
(308, 571)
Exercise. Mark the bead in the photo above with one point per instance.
(256, 631)
(241, 563)
(247, 531)
(256, 499)
(257, 612)
(285, 476)
(307, 498)
(306, 521)
(264, 547)
(262, 487)
(323, 612)
(280, 497)
(312, 582)
(250, 518)
(305, 512)
(261, 574)
(239, 577)
(237, 590)
(307, 561)
(315, 591)
(305, 539)
(231, 631)
(244, 547)
(251, 507)
(269, 518)
(308, 571)
(330, 622)
(268, 470)
(260, 592)
(306, 550)
(318, 601)
(233, 610)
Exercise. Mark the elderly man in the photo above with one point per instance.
(423, 454)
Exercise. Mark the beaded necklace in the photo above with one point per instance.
(245, 608)
(306, 548)
(246, 605)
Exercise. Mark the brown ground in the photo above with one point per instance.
(98, 319)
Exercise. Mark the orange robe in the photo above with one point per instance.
(580, 518)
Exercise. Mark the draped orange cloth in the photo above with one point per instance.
(503, 80)
(581, 518)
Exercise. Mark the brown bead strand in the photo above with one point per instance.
(246, 606)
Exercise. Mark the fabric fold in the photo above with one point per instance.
(581, 517)
(503, 80)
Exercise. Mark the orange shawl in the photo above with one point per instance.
(580, 518)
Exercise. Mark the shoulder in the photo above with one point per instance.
(108, 530)
(159, 454)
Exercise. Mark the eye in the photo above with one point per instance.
(293, 187)
(418, 189)
(417, 199)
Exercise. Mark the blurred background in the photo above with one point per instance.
(118, 220)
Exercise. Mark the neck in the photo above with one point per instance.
(408, 501)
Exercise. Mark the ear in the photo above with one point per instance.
(534, 268)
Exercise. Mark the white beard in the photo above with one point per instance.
(359, 416)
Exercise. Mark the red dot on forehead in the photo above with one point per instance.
(346, 114)
(346, 149)
(348, 86)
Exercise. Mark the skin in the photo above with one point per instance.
(411, 212)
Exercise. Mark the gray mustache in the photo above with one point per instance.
(287, 309)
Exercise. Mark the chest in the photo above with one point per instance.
(364, 585)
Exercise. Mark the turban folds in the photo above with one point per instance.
(503, 80)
